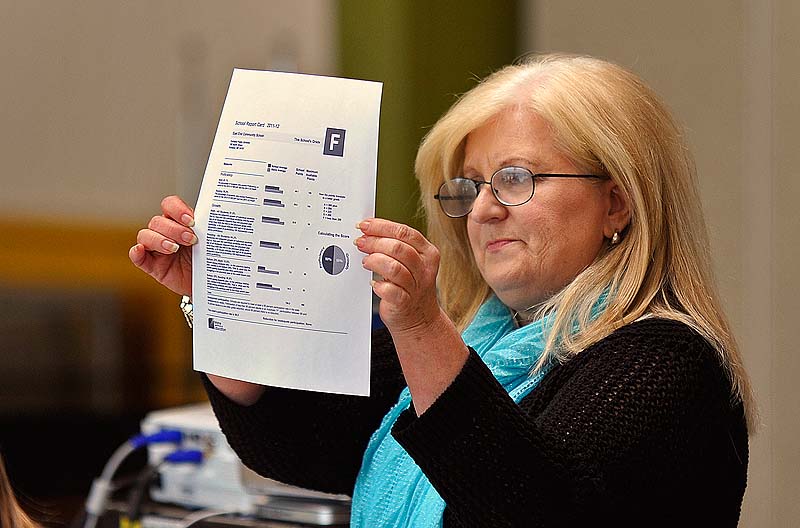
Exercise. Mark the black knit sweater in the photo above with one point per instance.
(637, 430)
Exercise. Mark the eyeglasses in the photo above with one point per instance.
(510, 185)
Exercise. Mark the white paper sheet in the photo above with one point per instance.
(280, 296)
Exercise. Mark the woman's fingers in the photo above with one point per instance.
(175, 208)
(172, 230)
(173, 270)
(393, 247)
(405, 259)
(137, 254)
(155, 241)
(391, 270)
(142, 259)
(390, 292)
(379, 227)
(162, 249)
(399, 241)
(408, 263)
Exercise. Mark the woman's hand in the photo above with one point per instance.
(408, 263)
(163, 250)
(428, 345)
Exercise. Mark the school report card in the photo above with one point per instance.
(280, 296)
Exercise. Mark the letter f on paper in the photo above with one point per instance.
(334, 142)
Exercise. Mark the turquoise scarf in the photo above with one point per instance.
(391, 490)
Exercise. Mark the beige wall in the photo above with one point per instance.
(109, 105)
(729, 71)
(785, 239)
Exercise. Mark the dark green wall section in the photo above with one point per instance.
(425, 53)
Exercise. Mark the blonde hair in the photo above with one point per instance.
(11, 514)
(604, 119)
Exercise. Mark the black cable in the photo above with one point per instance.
(131, 519)
(145, 477)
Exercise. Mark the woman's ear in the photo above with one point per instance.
(619, 211)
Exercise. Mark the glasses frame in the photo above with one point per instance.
(478, 184)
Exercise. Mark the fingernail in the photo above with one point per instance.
(363, 225)
(372, 282)
(187, 220)
(189, 238)
(170, 246)
(359, 242)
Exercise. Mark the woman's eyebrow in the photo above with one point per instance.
(517, 160)
(511, 161)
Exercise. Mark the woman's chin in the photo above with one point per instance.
(510, 296)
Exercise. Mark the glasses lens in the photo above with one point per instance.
(513, 185)
(456, 197)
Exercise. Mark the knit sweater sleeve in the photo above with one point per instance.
(311, 439)
(622, 427)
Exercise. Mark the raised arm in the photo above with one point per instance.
(163, 250)
(637, 430)
(429, 347)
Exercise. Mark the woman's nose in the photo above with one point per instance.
(486, 207)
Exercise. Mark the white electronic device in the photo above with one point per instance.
(221, 481)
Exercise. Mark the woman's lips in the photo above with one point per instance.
(496, 245)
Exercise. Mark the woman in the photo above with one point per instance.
(568, 362)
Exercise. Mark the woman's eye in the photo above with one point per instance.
(513, 178)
